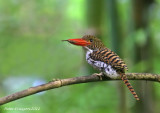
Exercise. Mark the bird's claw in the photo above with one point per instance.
(100, 75)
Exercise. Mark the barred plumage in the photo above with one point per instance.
(109, 57)
(103, 54)
(103, 59)
(125, 80)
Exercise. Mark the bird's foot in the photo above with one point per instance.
(100, 75)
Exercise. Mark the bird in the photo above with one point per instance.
(103, 59)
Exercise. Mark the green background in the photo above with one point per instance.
(32, 53)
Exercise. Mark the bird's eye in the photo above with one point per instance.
(91, 40)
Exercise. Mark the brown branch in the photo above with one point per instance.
(75, 80)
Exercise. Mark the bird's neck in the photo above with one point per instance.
(86, 49)
(91, 50)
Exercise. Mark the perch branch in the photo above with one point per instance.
(76, 80)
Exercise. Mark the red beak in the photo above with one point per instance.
(78, 42)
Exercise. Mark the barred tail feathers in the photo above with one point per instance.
(126, 81)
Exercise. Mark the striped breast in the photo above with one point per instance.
(110, 63)
(106, 60)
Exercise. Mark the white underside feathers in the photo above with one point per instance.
(102, 66)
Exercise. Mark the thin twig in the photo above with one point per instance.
(76, 80)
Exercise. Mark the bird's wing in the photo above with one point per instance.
(109, 57)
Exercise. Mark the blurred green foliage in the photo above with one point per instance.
(31, 49)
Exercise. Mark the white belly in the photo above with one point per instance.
(103, 67)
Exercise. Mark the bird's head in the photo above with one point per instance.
(87, 41)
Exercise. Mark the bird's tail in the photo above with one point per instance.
(126, 81)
